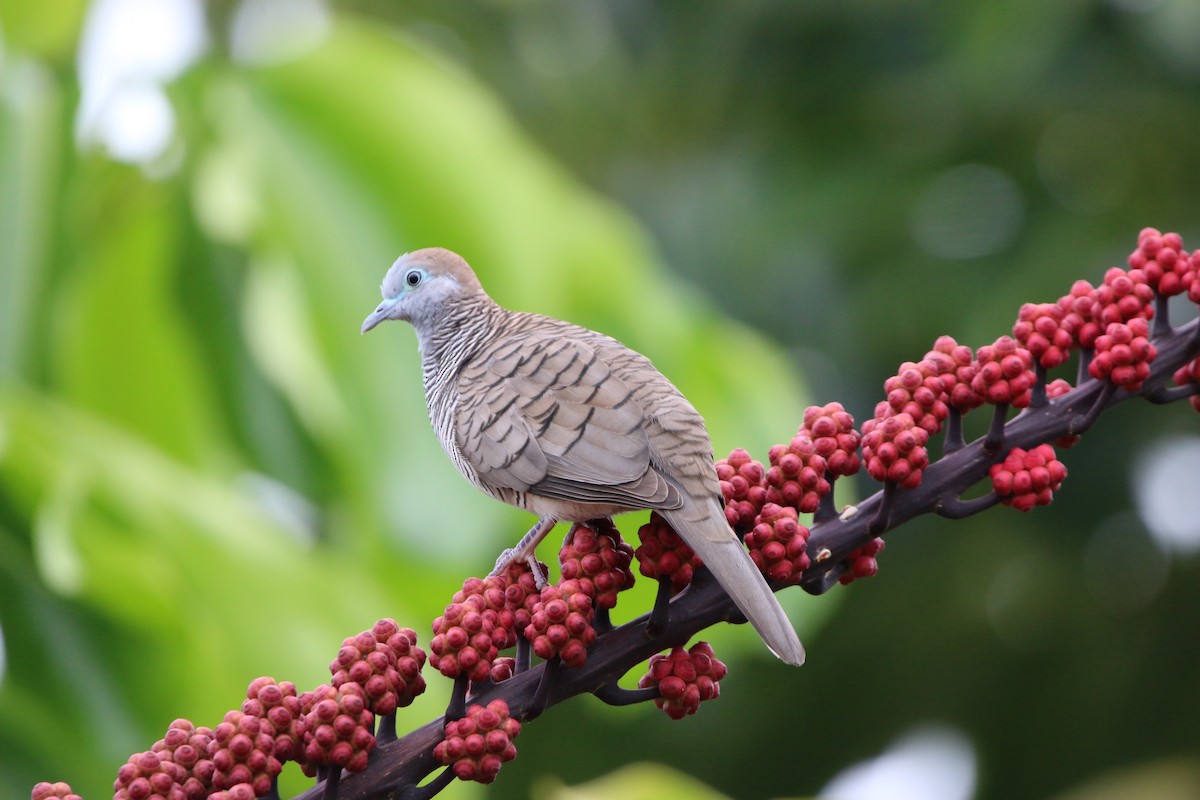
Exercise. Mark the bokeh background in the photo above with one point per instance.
(207, 475)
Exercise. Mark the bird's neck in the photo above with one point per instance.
(453, 338)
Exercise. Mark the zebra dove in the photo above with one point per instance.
(567, 423)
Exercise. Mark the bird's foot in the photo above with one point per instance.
(507, 557)
(512, 556)
(525, 551)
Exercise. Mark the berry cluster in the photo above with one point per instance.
(861, 563)
(503, 668)
(1005, 373)
(1168, 267)
(278, 706)
(1124, 295)
(663, 555)
(386, 662)
(338, 726)
(149, 776)
(956, 366)
(53, 791)
(916, 390)
(243, 791)
(778, 544)
(522, 588)
(1040, 329)
(478, 744)
(831, 429)
(1189, 373)
(685, 679)
(187, 745)
(561, 623)
(797, 475)
(744, 487)
(465, 636)
(1123, 354)
(599, 560)
(894, 449)
(243, 751)
(1025, 479)
(1077, 308)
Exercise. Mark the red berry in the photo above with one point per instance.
(1123, 354)
(919, 391)
(685, 678)
(476, 745)
(862, 563)
(778, 544)
(53, 791)
(1041, 330)
(1005, 373)
(834, 438)
(1189, 373)
(338, 726)
(744, 487)
(894, 449)
(1169, 269)
(560, 624)
(664, 555)
(1025, 479)
(599, 559)
(797, 476)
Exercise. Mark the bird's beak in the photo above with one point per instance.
(382, 311)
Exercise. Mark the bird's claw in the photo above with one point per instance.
(513, 555)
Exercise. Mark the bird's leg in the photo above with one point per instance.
(526, 550)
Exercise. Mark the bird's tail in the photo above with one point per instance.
(704, 528)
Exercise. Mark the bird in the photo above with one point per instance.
(567, 423)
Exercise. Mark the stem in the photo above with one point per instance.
(602, 622)
(1162, 316)
(879, 523)
(458, 698)
(523, 655)
(660, 615)
(1163, 394)
(957, 508)
(1038, 397)
(995, 435)
(952, 438)
(541, 697)
(412, 792)
(387, 728)
(825, 508)
(331, 784)
(616, 695)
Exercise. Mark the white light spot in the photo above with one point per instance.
(128, 51)
(929, 763)
(136, 125)
(1165, 483)
(274, 31)
(967, 212)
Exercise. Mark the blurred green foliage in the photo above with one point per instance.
(207, 475)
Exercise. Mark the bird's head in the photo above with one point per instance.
(423, 286)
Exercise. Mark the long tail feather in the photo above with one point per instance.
(706, 531)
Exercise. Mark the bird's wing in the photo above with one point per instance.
(543, 414)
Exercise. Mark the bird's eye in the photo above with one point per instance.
(413, 277)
